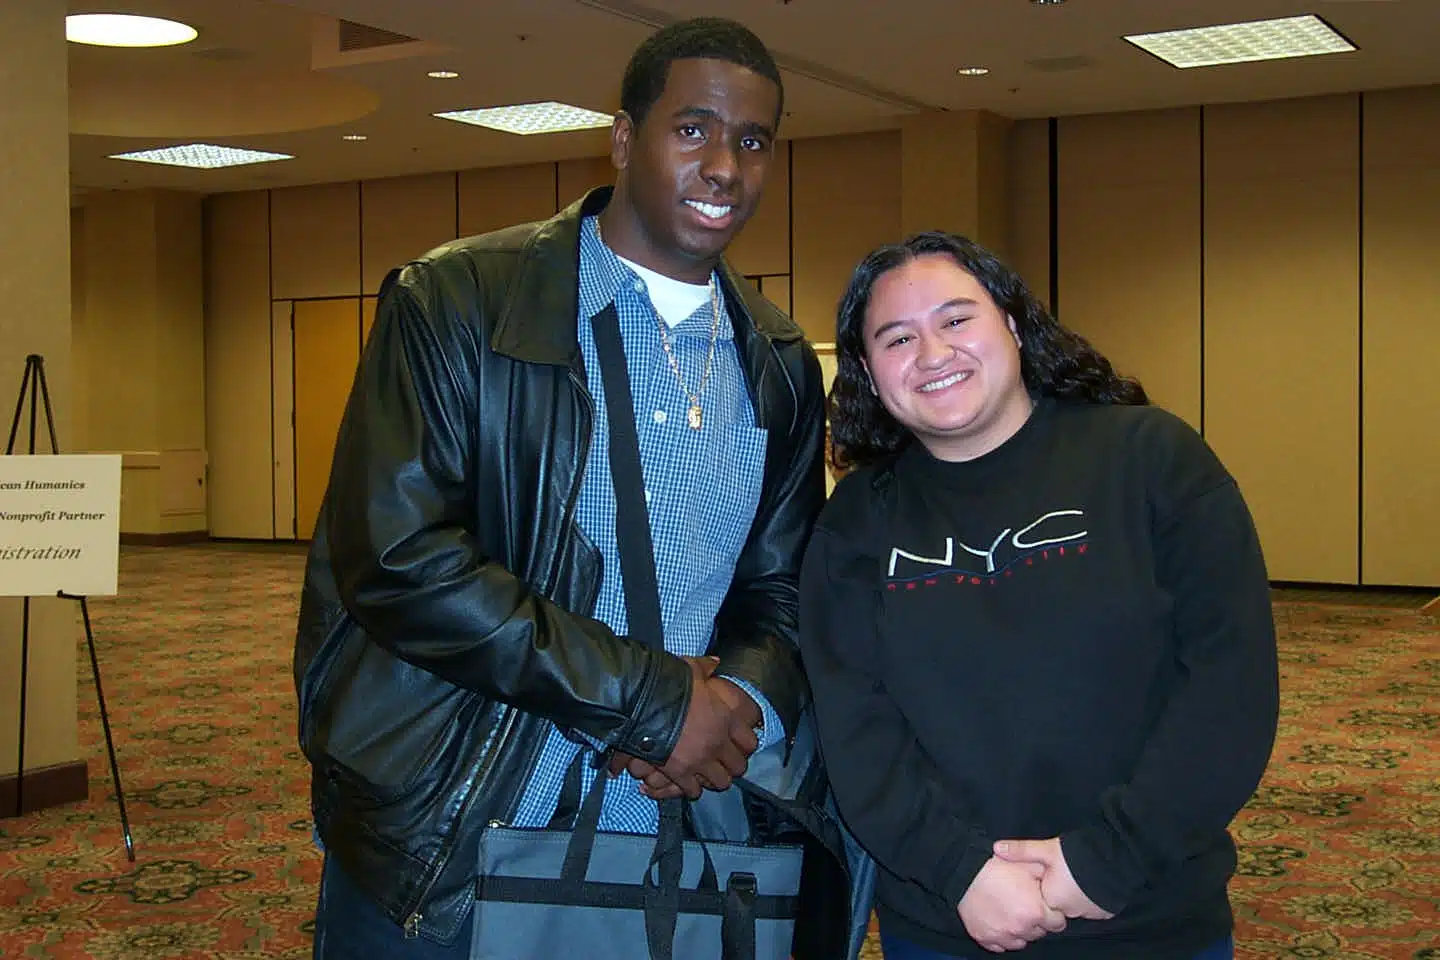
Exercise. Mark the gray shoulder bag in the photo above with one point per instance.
(545, 893)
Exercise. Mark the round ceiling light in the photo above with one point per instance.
(126, 30)
(973, 71)
(442, 75)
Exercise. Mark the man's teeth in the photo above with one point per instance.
(709, 209)
(947, 382)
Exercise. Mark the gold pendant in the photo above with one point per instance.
(696, 416)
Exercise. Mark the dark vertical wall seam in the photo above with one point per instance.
(1360, 347)
(1054, 176)
(270, 327)
(1203, 171)
(294, 439)
(790, 225)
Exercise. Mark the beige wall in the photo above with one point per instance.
(1282, 324)
(955, 176)
(1129, 245)
(237, 367)
(141, 352)
(845, 198)
(1400, 394)
(1215, 253)
(1029, 225)
(1267, 270)
(35, 290)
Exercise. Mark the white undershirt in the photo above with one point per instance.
(673, 299)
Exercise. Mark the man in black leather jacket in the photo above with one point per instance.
(447, 625)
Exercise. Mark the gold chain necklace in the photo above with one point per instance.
(694, 415)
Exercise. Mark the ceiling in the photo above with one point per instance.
(277, 76)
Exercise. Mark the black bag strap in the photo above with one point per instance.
(632, 517)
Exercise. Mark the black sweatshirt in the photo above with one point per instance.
(1070, 636)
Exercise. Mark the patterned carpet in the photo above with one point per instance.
(1340, 848)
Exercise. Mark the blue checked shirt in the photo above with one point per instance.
(701, 486)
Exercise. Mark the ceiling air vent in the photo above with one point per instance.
(360, 36)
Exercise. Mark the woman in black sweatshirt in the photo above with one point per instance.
(1036, 620)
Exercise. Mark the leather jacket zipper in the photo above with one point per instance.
(581, 460)
(412, 922)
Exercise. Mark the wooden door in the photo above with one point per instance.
(327, 350)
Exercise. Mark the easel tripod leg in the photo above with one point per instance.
(105, 722)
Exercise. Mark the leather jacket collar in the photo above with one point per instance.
(537, 323)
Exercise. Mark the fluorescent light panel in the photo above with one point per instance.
(529, 118)
(126, 30)
(1304, 36)
(202, 156)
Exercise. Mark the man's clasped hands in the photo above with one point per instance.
(716, 740)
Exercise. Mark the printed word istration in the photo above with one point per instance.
(40, 553)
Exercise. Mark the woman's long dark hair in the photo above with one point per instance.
(1054, 361)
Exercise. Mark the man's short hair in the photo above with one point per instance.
(708, 38)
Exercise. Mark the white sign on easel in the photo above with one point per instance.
(59, 525)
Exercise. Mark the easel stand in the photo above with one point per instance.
(34, 386)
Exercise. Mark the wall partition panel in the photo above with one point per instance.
(1282, 324)
(402, 218)
(1129, 224)
(845, 193)
(575, 178)
(1401, 393)
(763, 247)
(495, 197)
(777, 290)
(237, 365)
(282, 428)
(368, 306)
(1030, 204)
(327, 352)
(315, 241)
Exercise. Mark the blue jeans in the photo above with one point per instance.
(349, 926)
(895, 949)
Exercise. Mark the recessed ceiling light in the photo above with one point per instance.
(202, 156)
(442, 74)
(1303, 36)
(1047, 3)
(973, 71)
(354, 137)
(528, 118)
(124, 30)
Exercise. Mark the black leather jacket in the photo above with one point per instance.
(443, 619)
